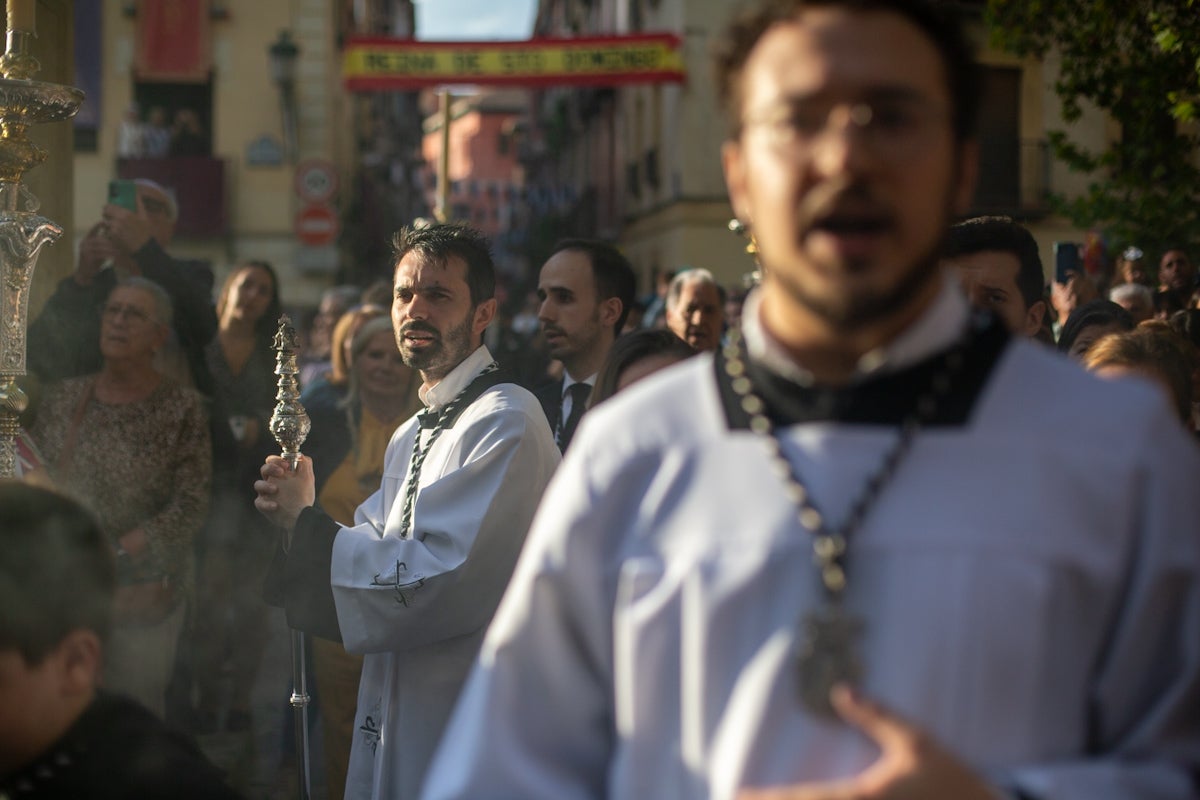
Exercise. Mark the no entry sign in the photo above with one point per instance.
(316, 226)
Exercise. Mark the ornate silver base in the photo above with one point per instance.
(12, 403)
(22, 235)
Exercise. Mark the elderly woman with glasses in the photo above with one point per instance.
(134, 448)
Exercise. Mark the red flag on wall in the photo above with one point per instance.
(173, 41)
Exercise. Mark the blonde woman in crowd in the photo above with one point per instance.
(1152, 352)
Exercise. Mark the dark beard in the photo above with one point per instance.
(440, 358)
(581, 342)
(849, 314)
(864, 309)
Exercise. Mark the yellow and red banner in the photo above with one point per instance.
(382, 64)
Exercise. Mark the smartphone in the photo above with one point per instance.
(123, 193)
(1067, 260)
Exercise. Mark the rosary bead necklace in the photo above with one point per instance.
(828, 649)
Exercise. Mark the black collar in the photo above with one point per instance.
(886, 399)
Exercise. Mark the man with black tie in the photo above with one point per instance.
(585, 289)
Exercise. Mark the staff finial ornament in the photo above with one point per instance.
(290, 423)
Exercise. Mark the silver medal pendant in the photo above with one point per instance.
(827, 655)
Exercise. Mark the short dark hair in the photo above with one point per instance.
(1170, 247)
(743, 32)
(611, 270)
(1004, 235)
(1097, 312)
(630, 348)
(439, 241)
(57, 572)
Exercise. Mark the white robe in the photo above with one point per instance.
(480, 484)
(1030, 584)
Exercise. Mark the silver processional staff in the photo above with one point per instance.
(290, 426)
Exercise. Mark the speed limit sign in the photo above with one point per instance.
(316, 181)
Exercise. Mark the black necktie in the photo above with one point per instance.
(579, 396)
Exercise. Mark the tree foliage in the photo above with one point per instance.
(1140, 63)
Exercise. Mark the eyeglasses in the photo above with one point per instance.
(115, 311)
(891, 128)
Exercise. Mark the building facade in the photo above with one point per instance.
(485, 182)
(261, 151)
(645, 160)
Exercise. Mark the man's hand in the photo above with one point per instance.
(128, 230)
(94, 250)
(283, 494)
(1066, 297)
(911, 766)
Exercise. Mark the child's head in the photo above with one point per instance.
(56, 571)
(56, 591)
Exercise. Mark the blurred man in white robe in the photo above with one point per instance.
(855, 553)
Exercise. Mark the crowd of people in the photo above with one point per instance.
(902, 519)
(152, 136)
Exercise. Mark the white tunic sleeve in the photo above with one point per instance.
(1146, 695)
(478, 490)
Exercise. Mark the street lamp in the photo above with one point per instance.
(282, 55)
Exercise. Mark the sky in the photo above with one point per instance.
(459, 20)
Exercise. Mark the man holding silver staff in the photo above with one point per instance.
(851, 554)
(414, 582)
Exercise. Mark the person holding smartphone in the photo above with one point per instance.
(136, 226)
(1072, 287)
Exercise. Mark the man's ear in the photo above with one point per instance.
(1033, 317)
(610, 311)
(485, 312)
(80, 657)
